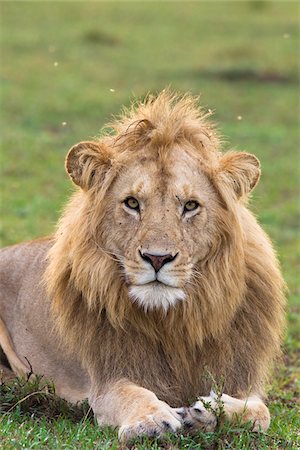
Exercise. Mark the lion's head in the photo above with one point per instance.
(155, 224)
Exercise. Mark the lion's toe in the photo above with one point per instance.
(151, 425)
(198, 417)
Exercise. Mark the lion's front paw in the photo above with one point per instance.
(251, 409)
(156, 420)
(203, 414)
(197, 417)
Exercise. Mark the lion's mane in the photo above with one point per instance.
(232, 321)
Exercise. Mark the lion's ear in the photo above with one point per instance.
(87, 162)
(241, 171)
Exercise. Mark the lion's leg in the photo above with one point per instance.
(18, 367)
(250, 409)
(135, 410)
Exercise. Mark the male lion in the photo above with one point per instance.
(157, 274)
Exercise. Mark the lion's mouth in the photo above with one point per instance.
(154, 284)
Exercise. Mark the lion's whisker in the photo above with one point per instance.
(108, 253)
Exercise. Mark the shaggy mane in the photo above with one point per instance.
(89, 296)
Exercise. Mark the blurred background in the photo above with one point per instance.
(68, 66)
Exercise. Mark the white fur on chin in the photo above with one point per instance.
(156, 296)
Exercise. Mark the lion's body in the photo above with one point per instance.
(224, 316)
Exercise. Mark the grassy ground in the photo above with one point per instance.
(66, 67)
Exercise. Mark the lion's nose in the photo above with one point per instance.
(157, 261)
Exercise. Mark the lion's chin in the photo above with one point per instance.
(156, 296)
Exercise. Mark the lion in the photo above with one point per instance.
(158, 274)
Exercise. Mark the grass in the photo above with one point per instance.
(66, 67)
(33, 417)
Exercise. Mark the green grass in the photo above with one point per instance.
(33, 417)
(59, 62)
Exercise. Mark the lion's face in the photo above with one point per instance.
(160, 223)
(159, 197)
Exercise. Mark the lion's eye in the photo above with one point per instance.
(132, 203)
(191, 205)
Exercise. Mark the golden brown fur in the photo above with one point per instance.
(234, 271)
(231, 320)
